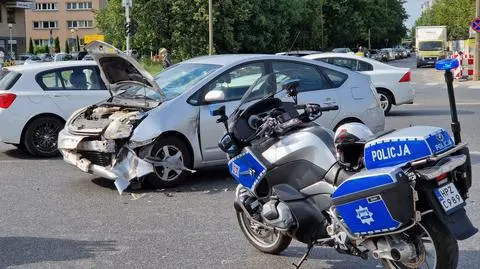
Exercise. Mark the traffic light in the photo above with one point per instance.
(130, 28)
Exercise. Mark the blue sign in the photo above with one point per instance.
(476, 25)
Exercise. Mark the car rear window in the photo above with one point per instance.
(336, 78)
(8, 79)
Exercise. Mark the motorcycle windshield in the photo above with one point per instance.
(267, 86)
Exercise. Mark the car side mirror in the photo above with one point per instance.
(214, 96)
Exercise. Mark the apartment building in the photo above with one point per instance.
(12, 26)
(64, 19)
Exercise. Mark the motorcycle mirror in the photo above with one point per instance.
(217, 110)
(291, 86)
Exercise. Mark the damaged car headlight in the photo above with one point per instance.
(137, 144)
(122, 127)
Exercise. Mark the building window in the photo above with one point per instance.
(79, 5)
(44, 24)
(10, 15)
(45, 6)
(41, 42)
(80, 24)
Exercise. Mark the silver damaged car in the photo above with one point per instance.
(160, 129)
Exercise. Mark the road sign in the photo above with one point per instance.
(89, 38)
(127, 3)
(476, 25)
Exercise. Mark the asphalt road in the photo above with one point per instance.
(54, 216)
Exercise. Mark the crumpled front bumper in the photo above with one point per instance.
(124, 167)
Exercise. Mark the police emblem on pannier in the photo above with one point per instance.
(364, 215)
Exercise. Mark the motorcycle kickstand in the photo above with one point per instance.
(304, 257)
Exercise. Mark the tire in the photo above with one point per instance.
(386, 101)
(279, 244)
(172, 177)
(445, 245)
(41, 136)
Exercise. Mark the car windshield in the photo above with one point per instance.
(430, 46)
(173, 82)
(179, 78)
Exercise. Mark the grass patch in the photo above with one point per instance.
(152, 67)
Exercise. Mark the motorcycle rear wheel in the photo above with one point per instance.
(441, 243)
(271, 242)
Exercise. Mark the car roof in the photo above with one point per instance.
(49, 65)
(351, 56)
(225, 59)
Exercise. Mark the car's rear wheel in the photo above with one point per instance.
(171, 155)
(41, 135)
(386, 101)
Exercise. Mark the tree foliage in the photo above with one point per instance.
(254, 26)
(57, 45)
(455, 14)
(67, 47)
(31, 48)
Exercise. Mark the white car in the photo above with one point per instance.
(393, 84)
(161, 127)
(36, 100)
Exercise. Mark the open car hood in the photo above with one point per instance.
(117, 68)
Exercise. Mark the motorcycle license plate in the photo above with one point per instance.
(449, 197)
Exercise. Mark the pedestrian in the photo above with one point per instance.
(360, 52)
(167, 61)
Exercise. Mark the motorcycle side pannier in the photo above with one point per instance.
(375, 201)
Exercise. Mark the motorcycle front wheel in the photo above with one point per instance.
(268, 241)
(436, 247)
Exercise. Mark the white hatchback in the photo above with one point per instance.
(36, 100)
(393, 84)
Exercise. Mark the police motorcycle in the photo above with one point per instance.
(399, 195)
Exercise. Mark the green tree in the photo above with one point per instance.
(254, 26)
(67, 47)
(455, 14)
(77, 44)
(57, 45)
(46, 49)
(31, 48)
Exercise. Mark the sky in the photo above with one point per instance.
(413, 8)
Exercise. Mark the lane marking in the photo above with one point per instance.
(477, 153)
(432, 84)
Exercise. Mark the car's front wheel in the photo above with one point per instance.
(171, 156)
(41, 135)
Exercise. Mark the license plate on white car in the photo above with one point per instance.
(449, 197)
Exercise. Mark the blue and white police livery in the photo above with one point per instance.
(406, 145)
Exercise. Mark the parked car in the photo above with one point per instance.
(342, 50)
(45, 57)
(36, 99)
(58, 57)
(33, 59)
(162, 126)
(389, 53)
(375, 55)
(299, 53)
(393, 84)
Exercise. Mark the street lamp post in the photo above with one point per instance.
(10, 26)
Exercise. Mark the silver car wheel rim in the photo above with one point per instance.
(383, 101)
(429, 254)
(174, 159)
(262, 237)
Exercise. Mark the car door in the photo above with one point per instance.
(233, 83)
(71, 88)
(315, 86)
